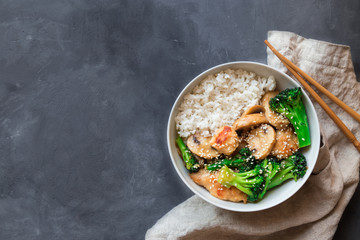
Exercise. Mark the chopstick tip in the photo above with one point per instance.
(268, 44)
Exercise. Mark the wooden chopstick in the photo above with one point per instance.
(323, 90)
(321, 102)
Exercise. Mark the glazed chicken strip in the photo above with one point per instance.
(201, 146)
(225, 140)
(251, 120)
(261, 140)
(286, 144)
(275, 119)
(208, 180)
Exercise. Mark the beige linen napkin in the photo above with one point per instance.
(314, 211)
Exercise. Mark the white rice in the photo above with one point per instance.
(219, 100)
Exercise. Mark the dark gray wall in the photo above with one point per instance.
(86, 88)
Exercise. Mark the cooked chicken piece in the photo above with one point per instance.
(225, 140)
(261, 140)
(201, 146)
(254, 109)
(208, 180)
(286, 144)
(251, 120)
(275, 119)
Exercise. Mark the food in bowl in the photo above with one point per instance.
(239, 137)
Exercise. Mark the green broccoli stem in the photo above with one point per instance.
(281, 177)
(243, 161)
(191, 163)
(298, 119)
(244, 189)
(233, 163)
(219, 164)
(271, 168)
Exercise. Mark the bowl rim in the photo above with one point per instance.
(203, 75)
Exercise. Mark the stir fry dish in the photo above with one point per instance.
(258, 152)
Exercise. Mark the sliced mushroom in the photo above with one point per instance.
(275, 119)
(261, 140)
(254, 109)
(225, 140)
(201, 146)
(286, 144)
(248, 121)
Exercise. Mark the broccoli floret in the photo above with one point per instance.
(289, 104)
(191, 163)
(243, 161)
(293, 167)
(246, 152)
(271, 166)
(266, 175)
(250, 182)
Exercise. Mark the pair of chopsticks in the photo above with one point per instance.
(301, 75)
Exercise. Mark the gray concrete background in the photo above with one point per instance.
(86, 88)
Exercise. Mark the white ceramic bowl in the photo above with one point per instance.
(275, 196)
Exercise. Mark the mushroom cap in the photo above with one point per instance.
(261, 140)
(254, 109)
(250, 120)
(201, 146)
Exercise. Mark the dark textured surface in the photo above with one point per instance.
(85, 92)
